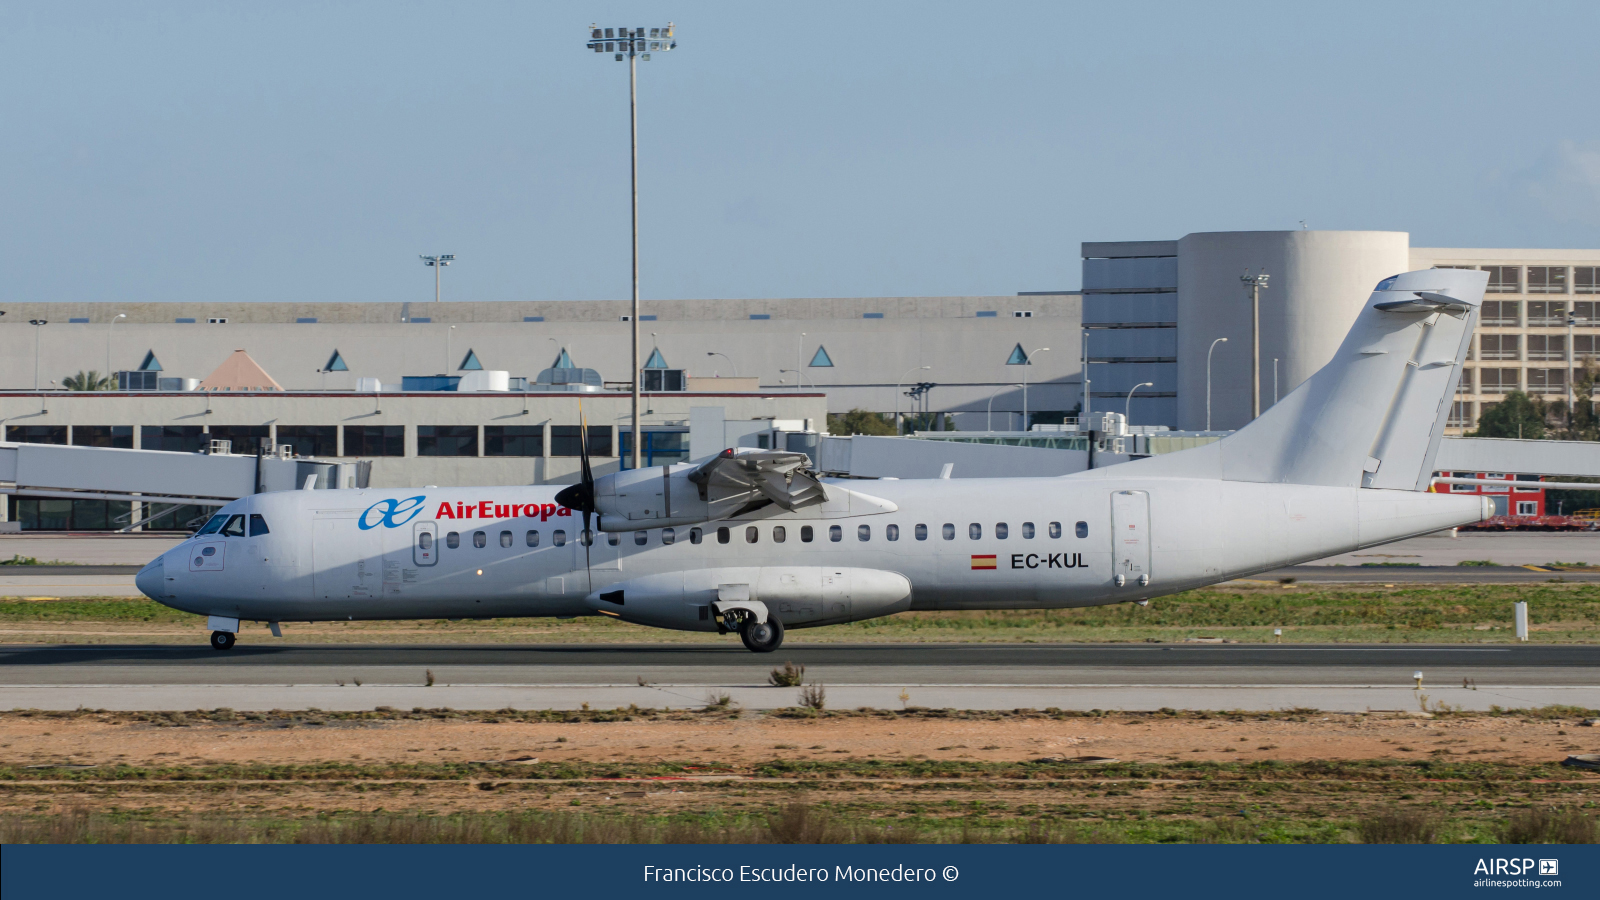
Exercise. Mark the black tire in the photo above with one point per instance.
(222, 640)
(762, 637)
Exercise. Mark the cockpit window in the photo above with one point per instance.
(213, 526)
(258, 525)
(234, 528)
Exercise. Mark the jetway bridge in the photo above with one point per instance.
(151, 477)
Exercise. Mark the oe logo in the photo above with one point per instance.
(391, 513)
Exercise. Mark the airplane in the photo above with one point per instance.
(755, 542)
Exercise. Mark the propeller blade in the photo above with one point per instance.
(587, 481)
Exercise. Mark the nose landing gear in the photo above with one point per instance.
(222, 640)
(762, 637)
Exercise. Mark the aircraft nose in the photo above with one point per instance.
(151, 579)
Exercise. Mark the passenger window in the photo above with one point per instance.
(805, 534)
(425, 541)
(694, 535)
(863, 532)
(640, 538)
(505, 539)
(586, 537)
(1082, 529)
(921, 532)
(668, 535)
(258, 525)
(1001, 531)
(751, 534)
(779, 534)
(835, 533)
(234, 528)
(558, 538)
(1027, 531)
(723, 535)
(891, 532)
(613, 539)
(975, 531)
(453, 540)
(480, 540)
(949, 531)
(213, 526)
(1055, 529)
(532, 538)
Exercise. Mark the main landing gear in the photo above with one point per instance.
(222, 640)
(762, 637)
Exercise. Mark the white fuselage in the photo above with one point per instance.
(1016, 543)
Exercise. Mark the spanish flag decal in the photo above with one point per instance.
(983, 562)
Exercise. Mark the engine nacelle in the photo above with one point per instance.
(656, 497)
(800, 596)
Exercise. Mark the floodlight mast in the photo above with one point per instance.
(437, 263)
(1256, 284)
(633, 44)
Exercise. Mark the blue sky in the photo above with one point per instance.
(287, 151)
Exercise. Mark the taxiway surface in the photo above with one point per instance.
(968, 676)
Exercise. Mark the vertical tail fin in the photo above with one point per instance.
(1374, 415)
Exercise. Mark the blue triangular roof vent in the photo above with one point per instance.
(563, 361)
(150, 364)
(656, 360)
(336, 363)
(469, 363)
(821, 359)
(1018, 357)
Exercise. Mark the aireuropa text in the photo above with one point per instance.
(792, 873)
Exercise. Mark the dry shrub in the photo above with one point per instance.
(813, 696)
(1547, 825)
(789, 676)
(1398, 827)
(802, 823)
(1227, 831)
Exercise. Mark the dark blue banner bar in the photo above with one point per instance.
(589, 871)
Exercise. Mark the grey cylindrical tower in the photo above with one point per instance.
(1319, 281)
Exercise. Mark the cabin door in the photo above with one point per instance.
(1130, 534)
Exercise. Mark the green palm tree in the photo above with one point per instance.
(89, 381)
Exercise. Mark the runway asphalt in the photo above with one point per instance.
(966, 676)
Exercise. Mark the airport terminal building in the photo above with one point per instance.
(490, 392)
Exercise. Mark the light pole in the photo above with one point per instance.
(1127, 409)
(108, 342)
(800, 351)
(988, 421)
(37, 325)
(437, 263)
(730, 362)
(633, 44)
(448, 333)
(1256, 283)
(1025, 384)
(1208, 379)
(897, 388)
(1572, 360)
(1083, 408)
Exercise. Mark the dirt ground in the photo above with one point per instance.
(750, 739)
(1298, 777)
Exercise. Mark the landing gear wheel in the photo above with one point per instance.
(222, 640)
(762, 637)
